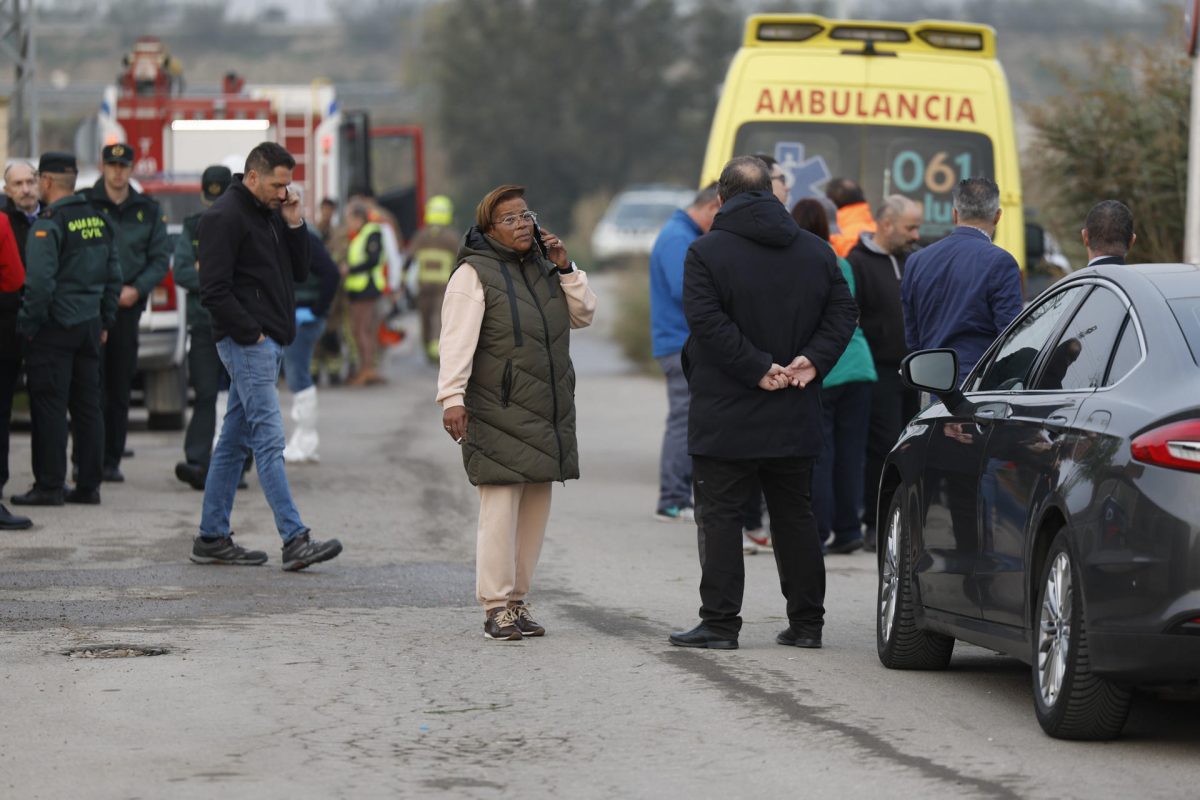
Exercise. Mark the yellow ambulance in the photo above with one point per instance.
(902, 108)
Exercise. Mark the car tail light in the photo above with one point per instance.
(162, 297)
(1175, 446)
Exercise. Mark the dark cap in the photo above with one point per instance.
(215, 181)
(57, 163)
(119, 153)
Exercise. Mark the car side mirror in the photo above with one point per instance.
(931, 370)
(934, 371)
(1035, 244)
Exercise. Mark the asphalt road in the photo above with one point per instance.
(369, 677)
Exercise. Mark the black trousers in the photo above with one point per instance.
(62, 367)
(892, 406)
(117, 369)
(10, 368)
(720, 488)
(204, 371)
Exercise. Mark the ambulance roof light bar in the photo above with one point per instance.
(787, 31)
(952, 40)
(857, 33)
(929, 36)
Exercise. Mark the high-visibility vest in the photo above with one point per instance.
(434, 265)
(356, 254)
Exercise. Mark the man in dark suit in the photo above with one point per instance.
(962, 291)
(1108, 233)
(769, 314)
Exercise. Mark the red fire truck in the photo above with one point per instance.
(178, 133)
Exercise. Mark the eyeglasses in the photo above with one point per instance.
(513, 220)
(782, 177)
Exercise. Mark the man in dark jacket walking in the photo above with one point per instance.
(769, 314)
(253, 248)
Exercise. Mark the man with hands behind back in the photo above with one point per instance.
(769, 314)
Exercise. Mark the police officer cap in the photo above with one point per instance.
(119, 153)
(215, 181)
(57, 163)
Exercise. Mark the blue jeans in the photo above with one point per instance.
(297, 356)
(252, 424)
(838, 478)
(675, 465)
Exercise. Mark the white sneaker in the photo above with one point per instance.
(749, 548)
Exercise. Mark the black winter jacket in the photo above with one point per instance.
(758, 290)
(250, 262)
(877, 291)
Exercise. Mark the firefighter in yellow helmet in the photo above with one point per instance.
(365, 281)
(433, 253)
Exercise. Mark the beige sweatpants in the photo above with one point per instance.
(512, 524)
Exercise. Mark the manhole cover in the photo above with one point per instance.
(114, 651)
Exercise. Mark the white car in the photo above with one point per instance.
(634, 218)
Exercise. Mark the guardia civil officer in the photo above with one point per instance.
(72, 282)
(145, 253)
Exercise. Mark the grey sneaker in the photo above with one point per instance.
(303, 552)
(501, 623)
(524, 620)
(224, 551)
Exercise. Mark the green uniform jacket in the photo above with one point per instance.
(186, 274)
(72, 274)
(856, 363)
(142, 242)
(521, 394)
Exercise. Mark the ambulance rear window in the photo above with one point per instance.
(921, 163)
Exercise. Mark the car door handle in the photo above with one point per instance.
(1055, 425)
(986, 415)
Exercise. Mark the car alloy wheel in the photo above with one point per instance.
(1054, 630)
(901, 643)
(889, 575)
(1071, 702)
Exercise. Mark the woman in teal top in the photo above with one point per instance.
(846, 402)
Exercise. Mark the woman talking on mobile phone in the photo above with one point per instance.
(507, 390)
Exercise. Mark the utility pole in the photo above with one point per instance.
(17, 42)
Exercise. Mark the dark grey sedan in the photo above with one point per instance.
(1051, 508)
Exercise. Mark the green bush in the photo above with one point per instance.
(632, 325)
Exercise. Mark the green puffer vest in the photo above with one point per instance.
(521, 395)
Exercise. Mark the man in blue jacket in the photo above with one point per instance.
(669, 330)
(962, 291)
(769, 314)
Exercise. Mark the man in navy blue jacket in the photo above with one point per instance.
(669, 330)
(963, 291)
(769, 314)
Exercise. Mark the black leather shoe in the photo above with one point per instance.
(37, 496)
(701, 636)
(86, 497)
(191, 474)
(112, 475)
(11, 522)
(793, 638)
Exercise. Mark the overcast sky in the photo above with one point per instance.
(318, 10)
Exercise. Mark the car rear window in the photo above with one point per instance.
(1187, 314)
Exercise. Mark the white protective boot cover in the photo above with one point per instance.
(302, 446)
